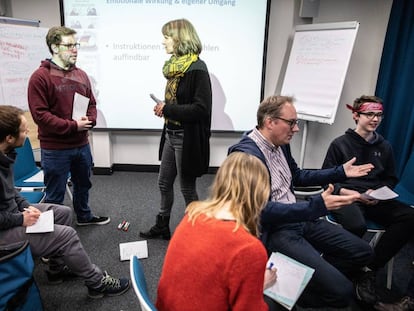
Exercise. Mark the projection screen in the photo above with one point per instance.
(122, 53)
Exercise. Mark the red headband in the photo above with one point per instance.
(368, 106)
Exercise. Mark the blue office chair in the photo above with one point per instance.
(33, 197)
(27, 175)
(25, 167)
(140, 285)
(405, 187)
(377, 231)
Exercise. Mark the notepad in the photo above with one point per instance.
(45, 223)
(137, 248)
(292, 278)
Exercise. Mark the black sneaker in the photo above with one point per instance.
(110, 286)
(96, 220)
(365, 288)
(57, 277)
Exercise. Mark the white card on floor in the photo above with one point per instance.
(43, 224)
(137, 248)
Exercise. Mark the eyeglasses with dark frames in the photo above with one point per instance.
(70, 46)
(372, 115)
(291, 122)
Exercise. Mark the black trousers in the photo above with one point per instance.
(396, 217)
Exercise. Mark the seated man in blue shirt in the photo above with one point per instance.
(295, 228)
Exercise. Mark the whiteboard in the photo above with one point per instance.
(317, 68)
(21, 50)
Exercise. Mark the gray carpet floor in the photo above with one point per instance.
(134, 197)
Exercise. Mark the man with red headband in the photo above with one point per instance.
(367, 146)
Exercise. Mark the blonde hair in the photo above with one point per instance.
(243, 181)
(184, 35)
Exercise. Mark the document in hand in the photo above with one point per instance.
(43, 224)
(292, 278)
(383, 193)
(80, 106)
(138, 248)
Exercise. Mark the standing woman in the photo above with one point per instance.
(215, 260)
(184, 148)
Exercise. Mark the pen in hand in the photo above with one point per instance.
(270, 276)
(30, 216)
(32, 211)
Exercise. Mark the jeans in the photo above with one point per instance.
(333, 252)
(57, 164)
(171, 166)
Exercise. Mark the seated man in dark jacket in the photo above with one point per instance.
(62, 246)
(295, 228)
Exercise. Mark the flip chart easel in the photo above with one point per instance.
(316, 71)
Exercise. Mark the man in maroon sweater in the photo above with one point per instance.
(53, 89)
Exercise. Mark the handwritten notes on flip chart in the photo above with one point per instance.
(317, 68)
(21, 50)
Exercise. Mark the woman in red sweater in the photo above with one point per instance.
(215, 260)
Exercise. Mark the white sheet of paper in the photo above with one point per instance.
(44, 223)
(38, 177)
(80, 106)
(383, 193)
(289, 278)
(292, 278)
(138, 248)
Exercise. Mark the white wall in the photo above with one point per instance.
(141, 147)
(46, 11)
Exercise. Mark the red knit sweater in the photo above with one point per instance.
(210, 267)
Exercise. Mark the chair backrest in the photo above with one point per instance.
(25, 164)
(405, 188)
(140, 285)
(33, 197)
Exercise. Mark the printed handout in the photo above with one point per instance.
(383, 193)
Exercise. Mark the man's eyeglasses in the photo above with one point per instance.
(291, 122)
(70, 46)
(372, 115)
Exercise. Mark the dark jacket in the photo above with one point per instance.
(193, 111)
(378, 152)
(277, 215)
(11, 202)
